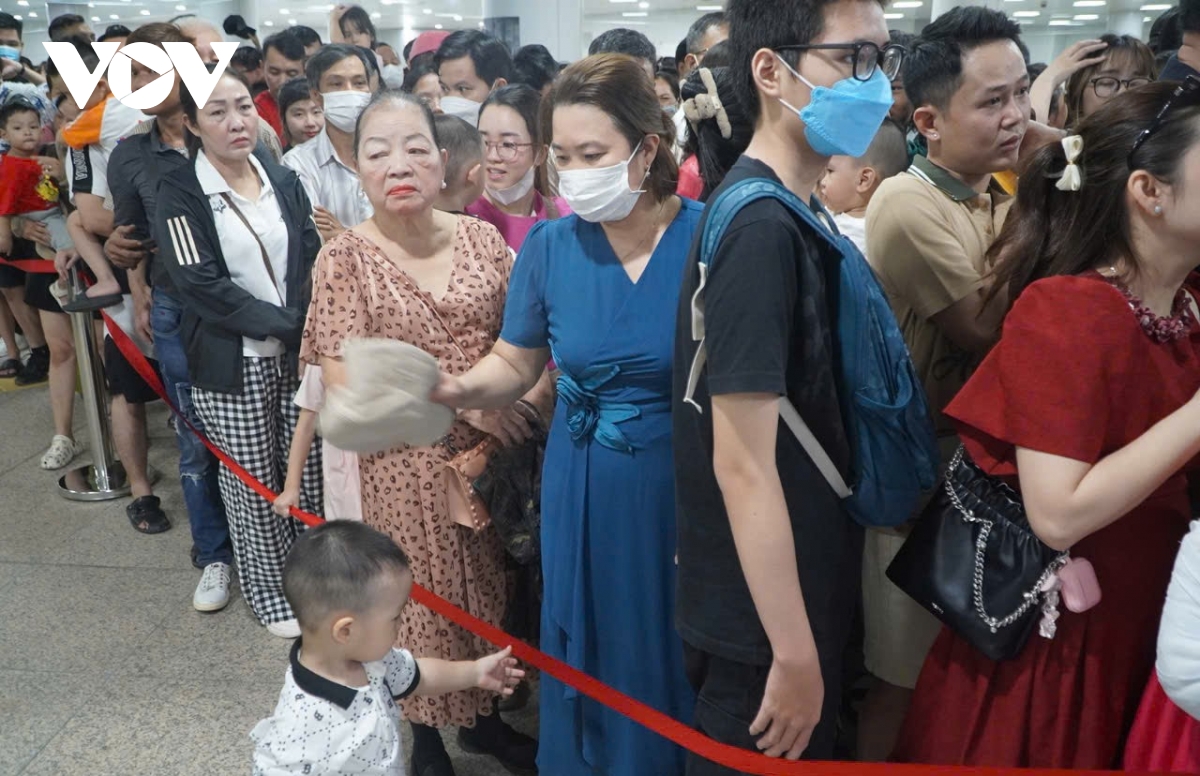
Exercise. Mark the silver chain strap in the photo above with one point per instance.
(1031, 596)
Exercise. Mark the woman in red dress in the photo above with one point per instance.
(1089, 405)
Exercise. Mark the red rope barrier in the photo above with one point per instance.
(671, 729)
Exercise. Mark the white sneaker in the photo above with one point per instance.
(212, 594)
(288, 629)
(62, 451)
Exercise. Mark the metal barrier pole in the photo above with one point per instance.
(104, 479)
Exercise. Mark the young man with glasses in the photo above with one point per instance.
(769, 560)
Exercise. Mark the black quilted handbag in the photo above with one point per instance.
(973, 561)
(511, 486)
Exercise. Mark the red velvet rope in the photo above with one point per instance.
(671, 729)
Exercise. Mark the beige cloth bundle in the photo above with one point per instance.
(385, 401)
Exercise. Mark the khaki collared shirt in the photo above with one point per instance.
(927, 234)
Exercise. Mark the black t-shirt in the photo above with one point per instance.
(769, 300)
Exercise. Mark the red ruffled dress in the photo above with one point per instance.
(1074, 375)
(1165, 738)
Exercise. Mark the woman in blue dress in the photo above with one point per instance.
(596, 291)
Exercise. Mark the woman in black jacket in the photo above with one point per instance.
(237, 238)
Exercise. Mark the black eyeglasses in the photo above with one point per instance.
(1107, 86)
(867, 57)
(1190, 88)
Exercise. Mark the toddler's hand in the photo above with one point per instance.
(287, 499)
(498, 672)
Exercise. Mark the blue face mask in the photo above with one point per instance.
(842, 120)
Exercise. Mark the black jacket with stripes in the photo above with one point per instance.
(217, 313)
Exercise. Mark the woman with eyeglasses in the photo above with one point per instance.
(1094, 72)
(1089, 406)
(516, 192)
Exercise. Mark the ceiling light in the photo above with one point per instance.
(1090, 3)
(437, 26)
(284, 12)
(457, 17)
(643, 6)
(621, 2)
(95, 18)
(1146, 19)
(145, 12)
(181, 8)
(23, 3)
(908, 4)
(91, 5)
(376, 15)
(709, 8)
(292, 22)
(17, 17)
(426, 11)
(632, 14)
(1027, 14)
(268, 23)
(1064, 23)
(893, 16)
(1156, 7)
(113, 16)
(1086, 17)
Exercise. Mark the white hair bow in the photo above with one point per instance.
(1072, 178)
(708, 106)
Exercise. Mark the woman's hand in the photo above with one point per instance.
(290, 497)
(327, 223)
(52, 167)
(498, 672)
(508, 426)
(1070, 61)
(448, 391)
(34, 231)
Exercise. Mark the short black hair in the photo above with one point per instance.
(306, 35)
(10, 22)
(292, 92)
(534, 66)
(888, 152)
(700, 28)
(247, 58)
(319, 63)
(719, 55)
(334, 567)
(623, 41)
(489, 54)
(58, 27)
(371, 61)
(415, 74)
(462, 143)
(768, 24)
(1189, 16)
(14, 106)
(86, 53)
(286, 44)
(359, 18)
(681, 51)
(933, 67)
(115, 31)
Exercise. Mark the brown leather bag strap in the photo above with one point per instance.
(262, 248)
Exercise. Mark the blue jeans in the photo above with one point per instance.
(197, 466)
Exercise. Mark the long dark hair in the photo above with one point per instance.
(715, 153)
(526, 101)
(1051, 232)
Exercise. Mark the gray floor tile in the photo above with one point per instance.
(76, 618)
(34, 706)
(186, 726)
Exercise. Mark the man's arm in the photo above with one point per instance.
(744, 438)
(973, 322)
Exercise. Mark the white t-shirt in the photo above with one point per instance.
(243, 256)
(853, 227)
(1179, 636)
(322, 728)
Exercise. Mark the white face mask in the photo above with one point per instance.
(467, 110)
(342, 109)
(393, 76)
(603, 194)
(516, 191)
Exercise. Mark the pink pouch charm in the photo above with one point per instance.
(1078, 584)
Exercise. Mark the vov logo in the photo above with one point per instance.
(181, 57)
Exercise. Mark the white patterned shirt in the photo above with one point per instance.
(322, 728)
(329, 182)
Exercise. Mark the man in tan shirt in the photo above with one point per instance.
(928, 232)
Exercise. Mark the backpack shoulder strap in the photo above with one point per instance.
(720, 213)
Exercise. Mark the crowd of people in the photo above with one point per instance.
(540, 230)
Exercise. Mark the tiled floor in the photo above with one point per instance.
(105, 668)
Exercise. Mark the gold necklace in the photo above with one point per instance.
(653, 230)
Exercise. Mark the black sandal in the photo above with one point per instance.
(86, 304)
(10, 367)
(146, 516)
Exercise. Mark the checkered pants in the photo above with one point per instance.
(255, 428)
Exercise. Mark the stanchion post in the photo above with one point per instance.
(104, 479)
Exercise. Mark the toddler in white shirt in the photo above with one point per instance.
(849, 183)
